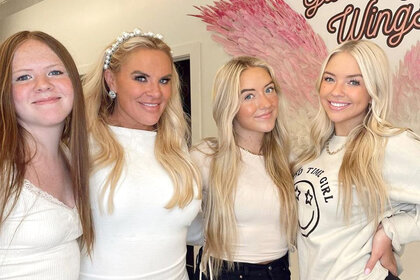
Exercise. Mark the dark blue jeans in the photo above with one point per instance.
(275, 270)
(391, 277)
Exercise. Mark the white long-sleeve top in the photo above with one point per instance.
(328, 247)
(260, 237)
(141, 239)
(38, 240)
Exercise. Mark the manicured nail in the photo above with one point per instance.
(367, 271)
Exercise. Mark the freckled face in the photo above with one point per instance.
(343, 93)
(259, 104)
(41, 87)
(143, 86)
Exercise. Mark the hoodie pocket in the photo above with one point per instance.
(377, 273)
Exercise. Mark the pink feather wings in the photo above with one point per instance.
(273, 31)
(406, 103)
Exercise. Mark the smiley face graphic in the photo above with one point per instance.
(308, 207)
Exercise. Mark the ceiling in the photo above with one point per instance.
(9, 7)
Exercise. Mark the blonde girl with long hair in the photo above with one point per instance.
(145, 191)
(359, 171)
(44, 196)
(249, 212)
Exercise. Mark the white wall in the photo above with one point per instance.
(85, 27)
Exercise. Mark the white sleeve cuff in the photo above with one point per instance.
(391, 232)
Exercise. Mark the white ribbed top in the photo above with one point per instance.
(260, 237)
(38, 239)
(141, 239)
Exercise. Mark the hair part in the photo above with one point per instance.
(171, 144)
(220, 222)
(14, 159)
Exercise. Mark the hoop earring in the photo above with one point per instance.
(112, 94)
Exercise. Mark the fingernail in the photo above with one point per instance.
(367, 271)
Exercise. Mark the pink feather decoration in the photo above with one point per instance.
(271, 30)
(406, 103)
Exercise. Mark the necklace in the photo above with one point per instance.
(246, 150)
(327, 147)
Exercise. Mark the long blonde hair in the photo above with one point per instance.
(172, 129)
(14, 149)
(220, 223)
(363, 159)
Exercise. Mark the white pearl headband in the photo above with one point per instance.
(124, 37)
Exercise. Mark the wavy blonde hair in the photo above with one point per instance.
(363, 159)
(172, 129)
(219, 214)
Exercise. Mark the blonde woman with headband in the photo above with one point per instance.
(249, 213)
(360, 176)
(145, 191)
